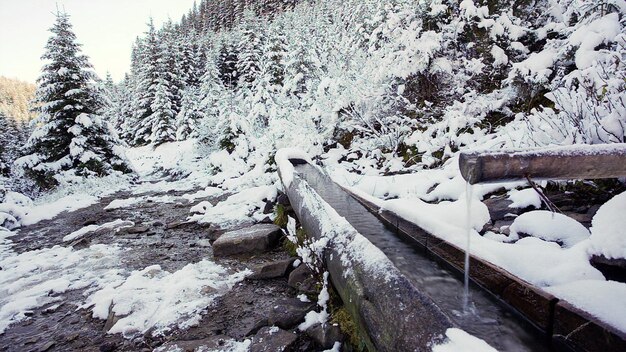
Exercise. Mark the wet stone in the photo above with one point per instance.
(47, 346)
(137, 229)
(175, 224)
(91, 221)
(288, 312)
(283, 199)
(272, 270)
(250, 240)
(499, 207)
(212, 343)
(303, 279)
(272, 339)
(203, 243)
(325, 335)
(108, 347)
(268, 208)
(32, 340)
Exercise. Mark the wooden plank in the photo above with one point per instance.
(571, 162)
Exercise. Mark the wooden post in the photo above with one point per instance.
(570, 162)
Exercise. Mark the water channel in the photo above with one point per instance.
(486, 317)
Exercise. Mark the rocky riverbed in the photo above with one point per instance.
(261, 313)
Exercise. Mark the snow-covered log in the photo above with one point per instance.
(571, 162)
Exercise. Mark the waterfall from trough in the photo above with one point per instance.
(468, 225)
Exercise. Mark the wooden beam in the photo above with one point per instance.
(570, 162)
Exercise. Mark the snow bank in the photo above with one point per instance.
(238, 208)
(449, 213)
(47, 211)
(460, 341)
(154, 298)
(549, 226)
(532, 259)
(606, 300)
(608, 229)
(205, 193)
(177, 156)
(128, 202)
(524, 198)
(444, 183)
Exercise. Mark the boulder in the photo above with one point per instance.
(283, 199)
(499, 207)
(288, 312)
(137, 229)
(303, 279)
(272, 270)
(211, 343)
(268, 208)
(325, 335)
(250, 240)
(272, 339)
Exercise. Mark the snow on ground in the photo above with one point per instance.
(524, 198)
(28, 279)
(144, 299)
(72, 194)
(236, 209)
(549, 226)
(129, 202)
(608, 227)
(445, 183)
(458, 340)
(113, 225)
(156, 299)
(603, 299)
(205, 193)
(184, 157)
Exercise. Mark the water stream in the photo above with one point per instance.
(486, 318)
(468, 226)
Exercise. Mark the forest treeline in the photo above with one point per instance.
(391, 85)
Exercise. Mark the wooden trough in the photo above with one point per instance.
(571, 162)
(571, 328)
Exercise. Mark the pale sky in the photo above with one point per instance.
(106, 28)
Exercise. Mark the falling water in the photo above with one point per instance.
(468, 226)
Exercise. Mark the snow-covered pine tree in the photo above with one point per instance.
(147, 57)
(6, 140)
(190, 114)
(250, 48)
(162, 118)
(211, 92)
(227, 63)
(170, 66)
(69, 136)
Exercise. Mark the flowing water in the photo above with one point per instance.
(468, 226)
(486, 318)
